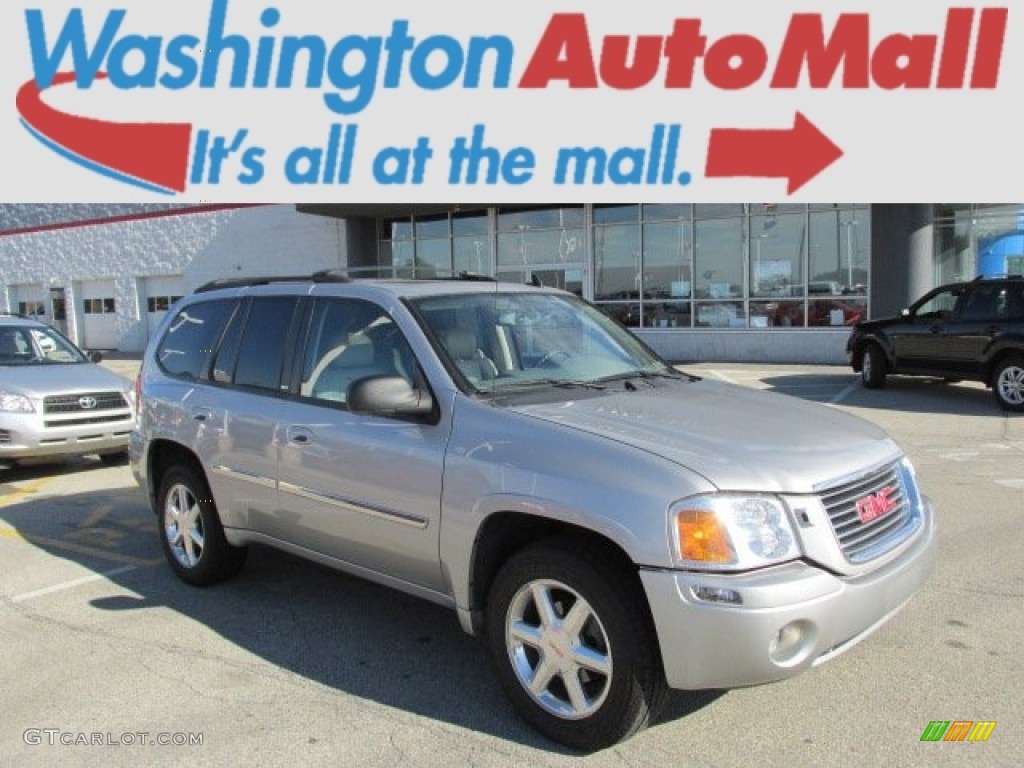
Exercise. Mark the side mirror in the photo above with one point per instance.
(388, 396)
(904, 313)
(95, 356)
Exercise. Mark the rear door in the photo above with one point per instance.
(239, 413)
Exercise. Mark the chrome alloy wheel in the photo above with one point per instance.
(183, 525)
(1011, 385)
(558, 649)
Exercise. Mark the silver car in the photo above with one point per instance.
(56, 402)
(610, 526)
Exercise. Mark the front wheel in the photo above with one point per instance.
(1008, 384)
(572, 645)
(191, 532)
(873, 367)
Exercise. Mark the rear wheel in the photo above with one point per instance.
(573, 646)
(1008, 383)
(191, 531)
(873, 367)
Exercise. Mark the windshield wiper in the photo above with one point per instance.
(563, 383)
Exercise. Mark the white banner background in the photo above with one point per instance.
(898, 145)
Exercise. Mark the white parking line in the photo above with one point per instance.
(845, 393)
(71, 584)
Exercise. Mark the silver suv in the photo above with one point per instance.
(55, 401)
(611, 526)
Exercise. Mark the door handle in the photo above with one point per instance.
(300, 435)
(202, 414)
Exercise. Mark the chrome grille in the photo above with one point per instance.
(872, 514)
(5, 437)
(105, 401)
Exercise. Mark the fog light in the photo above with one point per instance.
(792, 643)
(716, 595)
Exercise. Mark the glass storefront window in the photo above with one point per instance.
(721, 314)
(757, 265)
(777, 314)
(667, 212)
(553, 246)
(668, 268)
(839, 249)
(713, 210)
(469, 224)
(719, 258)
(617, 262)
(433, 226)
(836, 312)
(471, 254)
(777, 255)
(616, 214)
(542, 218)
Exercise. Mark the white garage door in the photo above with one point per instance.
(99, 315)
(161, 293)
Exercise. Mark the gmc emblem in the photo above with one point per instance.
(871, 507)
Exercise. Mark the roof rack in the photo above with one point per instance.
(329, 276)
(324, 276)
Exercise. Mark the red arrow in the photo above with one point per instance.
(799, 153)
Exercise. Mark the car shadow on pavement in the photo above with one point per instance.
(339, 631)
(901, 393)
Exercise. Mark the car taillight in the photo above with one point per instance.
(137, 389)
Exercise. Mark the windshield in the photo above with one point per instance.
(36, 345)
(501, 341)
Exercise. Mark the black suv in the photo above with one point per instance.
(972, 330)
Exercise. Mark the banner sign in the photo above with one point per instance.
(264, 101)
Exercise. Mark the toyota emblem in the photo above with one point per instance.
(87, 403)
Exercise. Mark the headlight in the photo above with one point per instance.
(732, 532)
(14, 403)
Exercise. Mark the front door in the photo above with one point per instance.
(362, 489)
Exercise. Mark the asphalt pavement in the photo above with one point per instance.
(106, 654)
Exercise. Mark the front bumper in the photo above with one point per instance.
(23, 436)
(792, 616)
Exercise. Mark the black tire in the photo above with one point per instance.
(1008, 383)
(873, 367)
(617, 634)
(114, 459)
(191, 532)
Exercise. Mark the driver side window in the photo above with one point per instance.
(939, 305)
(349, 340)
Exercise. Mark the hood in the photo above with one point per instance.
(738, 438)
(38, 381)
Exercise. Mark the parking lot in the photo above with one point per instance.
(292, 663)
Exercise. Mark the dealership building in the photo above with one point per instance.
(725, 282)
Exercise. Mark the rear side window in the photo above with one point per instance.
(264, 345)
(191, 337)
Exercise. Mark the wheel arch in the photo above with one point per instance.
(164, 454)
(505, 533)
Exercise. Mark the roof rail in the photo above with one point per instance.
(330, 276)
(325, 276)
